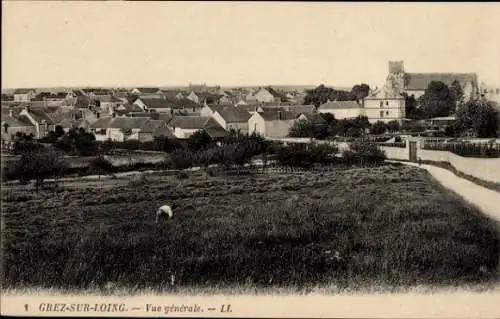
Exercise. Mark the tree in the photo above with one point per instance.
(39, 165)
(198, 140)
(457, 92)
(479, 116)
(437, 100)
(412, 110)
(379, 128)
(360, 91)
(393, 126)
(329, 118)
(301, 128)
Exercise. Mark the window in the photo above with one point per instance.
(381, 113)
(386, 112)
(381, 103)
(387, 103)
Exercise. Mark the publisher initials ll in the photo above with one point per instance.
(226, 308)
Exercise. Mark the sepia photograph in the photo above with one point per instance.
(250, 149)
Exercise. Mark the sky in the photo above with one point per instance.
(116, 43)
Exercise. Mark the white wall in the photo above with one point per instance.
(392, 109)
(343, 113)
(397, 153)
(487, 169)
(278, 128)
(184, 133)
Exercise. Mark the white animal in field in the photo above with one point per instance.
(164, 211)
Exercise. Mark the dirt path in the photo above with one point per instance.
(487, 200)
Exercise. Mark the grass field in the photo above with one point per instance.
(388, 227)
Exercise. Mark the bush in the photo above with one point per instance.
(363, 152)
(101, 165)
(38, 165)
(305, 155)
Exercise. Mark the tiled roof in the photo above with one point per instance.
(148, 90)
(249, 107)
(82, 101)
(165, 117)
(158, 103)
(163, 130)
(39, 115)
(420, 81)
(233, 114)
(340, 105)
(151, 125)
(102, 122)
(128, 122)
(278, 115)
(189, 122)
(23, 91)
(16, 121)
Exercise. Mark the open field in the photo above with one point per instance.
(376, 227)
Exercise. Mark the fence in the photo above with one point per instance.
(485, 150)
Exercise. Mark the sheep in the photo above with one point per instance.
(165, 211)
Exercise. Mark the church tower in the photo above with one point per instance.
(395, 78)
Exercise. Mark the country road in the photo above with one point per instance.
(488, 201)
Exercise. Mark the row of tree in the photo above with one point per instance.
(322, 94)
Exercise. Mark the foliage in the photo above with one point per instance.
(199, 140)
(479, 116)
(351, 127)
(301, 128)
(39, 165)
(359, 92)
(393, 126)
(412, 110)
(437, 100)
(322, 94)
(25, 143)
(101, 165)
(53, 136)
(457, 93)
(305, 155)
(364, 152)
(379, 128)
(78, 142)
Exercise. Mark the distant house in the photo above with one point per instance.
(24, 95)
(266, 95)
(160, 105)
(232, 118)
(384, 109)
(146, 90)
(271, 123)
(209, 110)
(13, 123)
(100, 128)
(39, 118)
(193, 97)
(152, 128)
(125, 128)
(184, 126)
(148, 93)
(251, 108)
(342, 109)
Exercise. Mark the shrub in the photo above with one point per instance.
(363, 152)
(101, 165)
(39, 165)
(305, 156)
